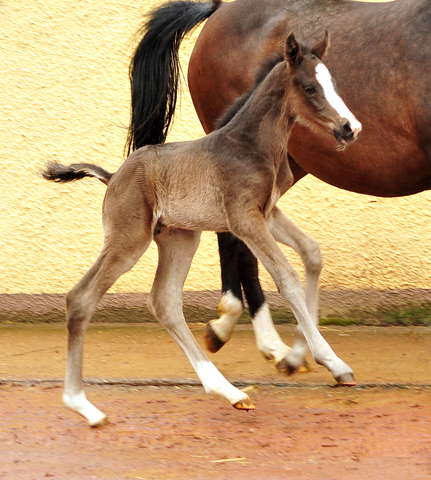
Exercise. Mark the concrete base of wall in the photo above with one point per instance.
(367, 307)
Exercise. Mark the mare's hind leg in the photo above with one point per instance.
(239, 266)
(253, 230)
(122, 249)
(176, 251)
(219, 331)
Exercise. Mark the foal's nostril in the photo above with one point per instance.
(347, 129)
(346, 132)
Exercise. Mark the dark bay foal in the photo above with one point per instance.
(229, 180)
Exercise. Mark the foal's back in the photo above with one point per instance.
(180, 183)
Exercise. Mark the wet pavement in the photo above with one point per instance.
(146, 353)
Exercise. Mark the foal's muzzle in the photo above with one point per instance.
(346, 133)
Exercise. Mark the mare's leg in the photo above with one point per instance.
(239, 266)
(253, 230)
(176, 251)
(218, 332)
(126, 239)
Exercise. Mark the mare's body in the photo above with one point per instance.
(381, 58)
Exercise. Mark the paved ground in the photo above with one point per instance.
(302, 429)
(377, 355)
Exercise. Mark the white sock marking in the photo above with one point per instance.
(79, 404)
(267, 338)
(214, 383)
(230, 308)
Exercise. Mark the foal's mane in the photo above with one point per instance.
(264, 70)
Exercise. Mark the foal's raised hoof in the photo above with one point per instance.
(212, 341)
(346, 380)
(284, 367)
(245, 404)
(103, 423)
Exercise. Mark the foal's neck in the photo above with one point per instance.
(264, 124)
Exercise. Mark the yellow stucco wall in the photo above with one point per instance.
(64, 95)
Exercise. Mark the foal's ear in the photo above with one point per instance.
(320, 49)
(293, 51)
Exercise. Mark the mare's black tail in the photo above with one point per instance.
(61, 173)
(155, 69)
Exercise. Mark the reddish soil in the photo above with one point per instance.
(180, 433)
(303, 429)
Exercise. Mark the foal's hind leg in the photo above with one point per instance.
(176, 251)
(122, 249)
(253, 230)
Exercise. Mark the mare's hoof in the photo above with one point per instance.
(245, 404)
(212, 341)
(103, 423)
(346, 380)
(284, 367)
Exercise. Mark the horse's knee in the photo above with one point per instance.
(314, 259)
(152, 305)
(160, 308)
(77, 315)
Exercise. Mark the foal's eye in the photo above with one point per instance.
(310, 90)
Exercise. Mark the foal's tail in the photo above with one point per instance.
(61, 173)
(155, 69)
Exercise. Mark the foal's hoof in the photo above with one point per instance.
(212, 341)
(245, 404)
(346, 380)
(103, 423)
(284, 367)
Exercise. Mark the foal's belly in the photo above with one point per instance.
(198, 209)
(200, 221)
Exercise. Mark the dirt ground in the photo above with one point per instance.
(303, 428)
(179, 433)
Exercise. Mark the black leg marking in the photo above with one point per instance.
(227, 244)
(247, 268)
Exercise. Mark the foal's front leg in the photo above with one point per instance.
(285, 231)
(176, 251)
(253, 230)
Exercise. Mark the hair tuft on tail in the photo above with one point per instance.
(56, 172)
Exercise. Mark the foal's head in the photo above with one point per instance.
(313, 94)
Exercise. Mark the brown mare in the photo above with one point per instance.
(229, 180)
(381, 58)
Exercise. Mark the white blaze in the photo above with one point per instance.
(324, 78)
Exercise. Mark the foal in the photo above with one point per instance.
(229, 180)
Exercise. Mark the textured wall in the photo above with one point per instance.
(64, 95)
